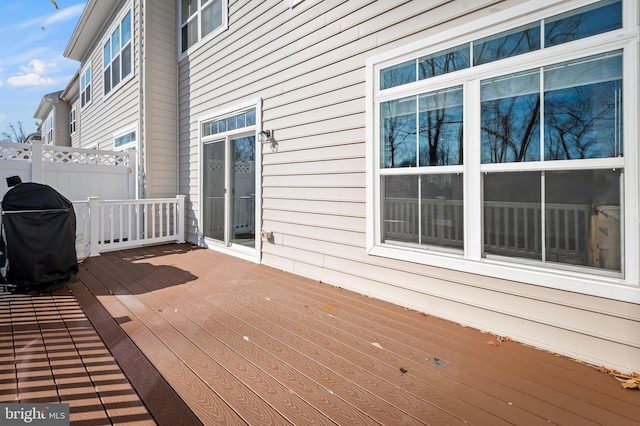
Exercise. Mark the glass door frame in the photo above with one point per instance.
(251, 253)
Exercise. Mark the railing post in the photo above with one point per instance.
(94, 219)
(180, 219)
(37, 162)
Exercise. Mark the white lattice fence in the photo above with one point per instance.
(75, 173)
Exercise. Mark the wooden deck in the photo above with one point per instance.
(205, 338)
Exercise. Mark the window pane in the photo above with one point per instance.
(126, 60)
(512, 214)
(400, 204)
(213, 190)
(510, 118)
(126, 28)
(107, 80)
(590, 20)
(583, 108)
(251, 117)
(115, 71)
(124, 139)
(507, 44)
(444, 62)
(442, 210)
(106, 54)
(398, 133)
(88, 93)
(398, 74)
(441, 127)
(189, 7)
(211, 17)
(231, 123)
(189, 34)
(115, 42)
(583, 218)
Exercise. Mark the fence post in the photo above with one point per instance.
(180, 219)
(37, 162)
(133, 175)
(94, 222)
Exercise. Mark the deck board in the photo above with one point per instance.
(204, 338)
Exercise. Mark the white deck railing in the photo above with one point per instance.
(509, 228)
(118, 224)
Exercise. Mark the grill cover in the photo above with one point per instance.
(39, 226)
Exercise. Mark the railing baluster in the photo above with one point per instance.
(121, 229)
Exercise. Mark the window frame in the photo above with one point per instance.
(622, 287)
(72, 121)
(198, 16)
(125, 131)
(49, 127)
(85, 87)
(108, 40)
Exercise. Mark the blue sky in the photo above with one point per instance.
(33, 37)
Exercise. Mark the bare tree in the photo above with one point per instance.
(15, 133)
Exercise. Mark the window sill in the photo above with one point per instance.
(558, 279)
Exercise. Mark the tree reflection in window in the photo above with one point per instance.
(583, 108)
(444, 62)
(398, 139)
(510, 118)
(441, 128)
(433, 137)
(507, 44)
(587, 21)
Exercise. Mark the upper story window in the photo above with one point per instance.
(597, 18)
(72, 121)
(117, 55)
(512, 154)
(199, 19)
(85, 87)
(48, 133)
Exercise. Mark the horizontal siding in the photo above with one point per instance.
(108, 114)
(160, 106)
(307, 64)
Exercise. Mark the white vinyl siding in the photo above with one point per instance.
(159, 133)
(121, 108)
(307, 63)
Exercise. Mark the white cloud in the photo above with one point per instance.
(33, 74)
(61, 15)
(65, 14)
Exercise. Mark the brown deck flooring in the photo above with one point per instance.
(50, 353)
(206, 338)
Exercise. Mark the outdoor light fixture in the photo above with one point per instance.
(266, 136)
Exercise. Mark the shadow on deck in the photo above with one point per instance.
(204, 338)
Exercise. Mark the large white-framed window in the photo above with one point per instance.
(85, 87)
(201, 19)
(117, 55)
(229, 179)
(510, 152)
(126, 139)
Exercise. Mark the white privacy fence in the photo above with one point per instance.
(119, 224)
(74, 172)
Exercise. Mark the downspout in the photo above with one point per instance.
(141, 144)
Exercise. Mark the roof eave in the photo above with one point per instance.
(90, 25)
